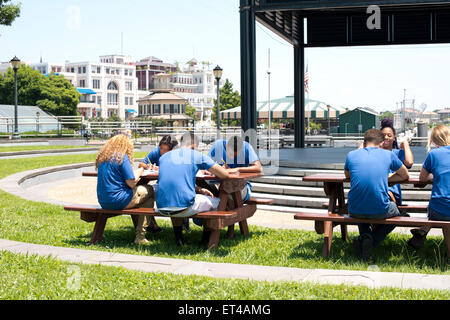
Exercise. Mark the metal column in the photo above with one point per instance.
(248, 65)
(299, 90)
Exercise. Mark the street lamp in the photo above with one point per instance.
(37, 122)
(218, 74)
(15, 62)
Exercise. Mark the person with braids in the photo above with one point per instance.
(151, 161)
(403, 152)
(117, 181)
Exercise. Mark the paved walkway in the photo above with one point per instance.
(372, 279)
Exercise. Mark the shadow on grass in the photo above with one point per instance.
(163, 243)
(393, 252)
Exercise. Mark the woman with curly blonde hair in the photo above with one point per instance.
(436, 169)
(117, 182)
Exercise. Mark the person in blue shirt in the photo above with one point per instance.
(436, 168)
(177, 195)
(237, 156)
(151, 161)
(117, 182)
(402, 151)
(368, 169)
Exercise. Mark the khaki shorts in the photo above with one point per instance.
(143, 196)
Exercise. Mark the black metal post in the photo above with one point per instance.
(15, 135)
(299, 96)
(248, 65)
(218, 108)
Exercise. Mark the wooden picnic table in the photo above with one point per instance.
(333, 185)
(229, 193)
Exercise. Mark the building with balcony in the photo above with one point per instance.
(108, 87)
(163, 103)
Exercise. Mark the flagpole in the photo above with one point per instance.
(308, 130)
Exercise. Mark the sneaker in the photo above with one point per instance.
(366, 248)
(141, 241)
(404, 213)
(418, 238)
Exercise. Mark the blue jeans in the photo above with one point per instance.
(433, 215)
(382, 230)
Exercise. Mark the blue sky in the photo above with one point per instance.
(177, 30)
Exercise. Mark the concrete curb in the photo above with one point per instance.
(371, 279)
(21, 153)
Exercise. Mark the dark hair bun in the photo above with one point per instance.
(387, 123)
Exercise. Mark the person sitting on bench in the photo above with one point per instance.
(436, 168)
(151, 161)
(237, 155)
(116, 182)
(368, 169)
(177, 196)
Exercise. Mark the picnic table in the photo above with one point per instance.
(231, 208)
(333, 185)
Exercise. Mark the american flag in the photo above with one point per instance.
(306, 80)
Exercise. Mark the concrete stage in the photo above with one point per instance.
(325, 155)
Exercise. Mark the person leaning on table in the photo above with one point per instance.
(116, 182)
(368, 169)
(436, 168)
(151, 162)
(177, 196)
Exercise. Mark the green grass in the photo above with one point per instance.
(43, 223)
(33, 277)
(34, 148)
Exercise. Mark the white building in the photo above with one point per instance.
(108, 87)
(197, 85)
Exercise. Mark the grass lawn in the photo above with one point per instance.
(35, 148)
(43, 223)
(33, 277)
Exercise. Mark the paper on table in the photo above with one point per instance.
(148, 172)
(200, 174)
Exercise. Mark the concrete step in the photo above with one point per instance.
(312, 202)
(319, 192)
(298, 181)
(325, 166)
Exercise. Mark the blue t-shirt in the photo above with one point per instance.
(153, 157)
(113, 193)
(396, 188)
(244, 158)
(369, 170)
(177, 173)
(438, 163)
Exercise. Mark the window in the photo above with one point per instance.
(108, 71)
(166, 108)
(156, 109)
(82, 84)
(112, 98)
(112, 86)
(172, 108)
(99, 100)
(96, 84)
(129, 86)
(84, 69)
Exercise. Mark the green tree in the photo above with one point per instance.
(54, 94)
(191, 112)
(387, 115)
(229, 99)
(8, 12)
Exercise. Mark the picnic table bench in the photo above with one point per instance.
(226, 216)
(338, 215)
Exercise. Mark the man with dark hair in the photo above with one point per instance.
(237, 155)
(177, 196)
(368, 169)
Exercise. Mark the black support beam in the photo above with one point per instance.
(248, 65)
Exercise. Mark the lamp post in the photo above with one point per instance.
(37, 122)
(329, 129)
(218, 74)
(270, 116)
(15, 62)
